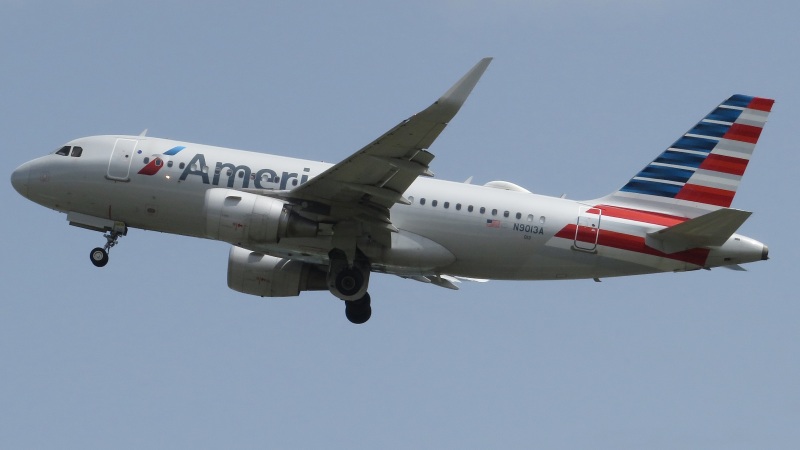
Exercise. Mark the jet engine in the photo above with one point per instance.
(241, 218)
(267, 276)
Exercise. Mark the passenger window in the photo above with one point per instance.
(63, 151)
(458, 206)
(411, 199)
(494, 212)
(541, 220)
(422, 201)
(159, 162)
(446, 205)
(483, 210)
(470, 208)
(77, 152)
(169, 163)
(530, 217)
(181, 165)
(434, 203)
(146, 160)
(505, 214)
(519, 216)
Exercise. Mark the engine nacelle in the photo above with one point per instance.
(241, 218)
(267, 276)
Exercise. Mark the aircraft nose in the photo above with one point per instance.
(20, 177)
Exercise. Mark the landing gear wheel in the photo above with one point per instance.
(349, 282)
(358, 311)
(99, 256)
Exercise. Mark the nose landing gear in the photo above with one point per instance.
(99, 255)
(112, 229)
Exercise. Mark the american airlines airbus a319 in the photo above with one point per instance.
(297, 225)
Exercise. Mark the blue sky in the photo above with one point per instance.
(154, 351)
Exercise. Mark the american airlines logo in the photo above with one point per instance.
(260, 179)
(152, 167)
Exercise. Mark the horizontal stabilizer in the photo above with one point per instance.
(709, 230)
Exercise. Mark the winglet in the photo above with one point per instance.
(457, 95)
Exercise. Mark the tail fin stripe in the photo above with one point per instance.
(735, 148)
(666, 173)
(710, 129)
(739, 100)
(702, 170)
(744, 133)
(651, 188)
(694, 143)
(725, 115)
(726, 164)
(680, 158)
(717, 180)
(707, 195)
(761, 104)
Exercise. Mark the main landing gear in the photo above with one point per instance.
(99, 255)
(349, 282)
(358, 311)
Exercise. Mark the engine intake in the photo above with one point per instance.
(242, 218)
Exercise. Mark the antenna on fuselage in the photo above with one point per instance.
(143, 133)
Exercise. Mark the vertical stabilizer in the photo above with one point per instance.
(701, 171)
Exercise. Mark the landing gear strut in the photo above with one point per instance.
(349, 280)
(358, 311)
(99, 255)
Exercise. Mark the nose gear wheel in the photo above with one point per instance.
(99, 255)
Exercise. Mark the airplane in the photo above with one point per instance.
(296, 225)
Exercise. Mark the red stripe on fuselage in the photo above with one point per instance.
(725, 164)
(650, 217)
(696, 256)
(636, 244)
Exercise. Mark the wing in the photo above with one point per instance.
(364, 186)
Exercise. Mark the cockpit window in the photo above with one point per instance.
(63, 151)
(77, 151)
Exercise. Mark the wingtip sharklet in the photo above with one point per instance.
(458, 93)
